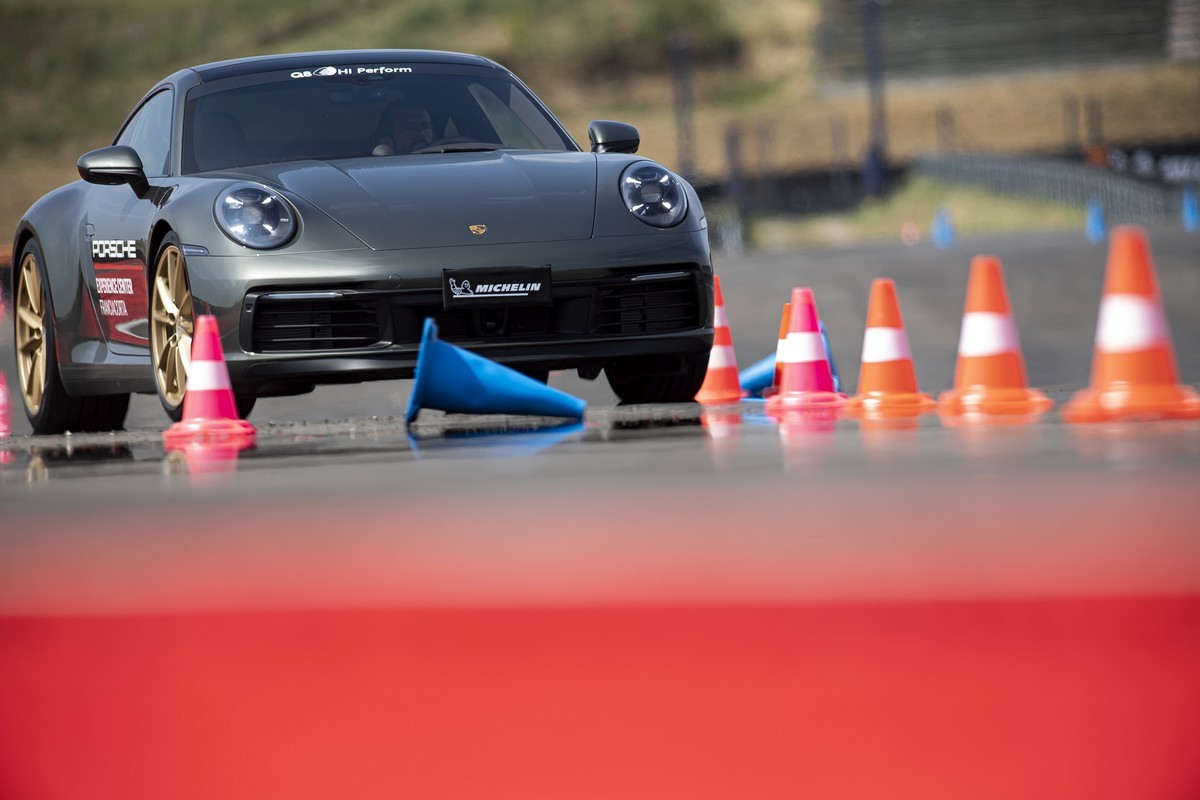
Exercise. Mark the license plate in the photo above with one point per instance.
(492, 287)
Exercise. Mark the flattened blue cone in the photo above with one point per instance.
(837, 381)
(1191, 210)
(449, 378)
(1094, 228)
(759, 376)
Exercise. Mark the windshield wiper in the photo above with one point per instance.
(459, 147)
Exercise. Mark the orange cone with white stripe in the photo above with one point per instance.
(1133, 369)
(887, 381)
(990, 376)
(209, 409)
(806, 380)
(721, 384)
(784, 323)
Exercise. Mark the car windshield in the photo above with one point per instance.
(361, 111)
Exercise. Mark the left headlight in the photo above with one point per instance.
(653, 194)
(255, 216)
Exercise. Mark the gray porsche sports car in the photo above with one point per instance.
(321, 206)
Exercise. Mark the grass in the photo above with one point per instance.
(973, 211)
(71, 69)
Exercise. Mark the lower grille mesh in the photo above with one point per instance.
(650, 307)
(282, 326)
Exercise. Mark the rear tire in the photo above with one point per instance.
(48, 406)
(657, 379)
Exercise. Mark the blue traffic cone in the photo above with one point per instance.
(837, 381)
(759, 376)
(942, 234)
(1191, 211)
(452, 379)
(1094, 228)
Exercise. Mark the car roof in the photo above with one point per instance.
(332, 58)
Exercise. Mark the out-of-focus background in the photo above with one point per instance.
(803, 122)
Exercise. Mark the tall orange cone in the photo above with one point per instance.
(1133, 369)
(209, 409)
(785, 321)
(721, 384)
(990, 376)
(805, 382)
(887, 381)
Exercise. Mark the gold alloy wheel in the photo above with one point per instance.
(171, 325)
(31, 334)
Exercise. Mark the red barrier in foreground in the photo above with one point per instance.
(994, 699)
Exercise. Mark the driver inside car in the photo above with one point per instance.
(406, 128)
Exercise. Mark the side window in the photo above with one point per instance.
(149, 133)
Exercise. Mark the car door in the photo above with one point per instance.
(118, 226)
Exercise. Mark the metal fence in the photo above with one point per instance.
(1124, 197)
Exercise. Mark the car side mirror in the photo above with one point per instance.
(607, 136)
(113, 166)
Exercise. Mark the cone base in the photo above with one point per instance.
(993, 402)
(719, 396)
(209, 431)
(890, 404)
(804, 401)
(1133, 403)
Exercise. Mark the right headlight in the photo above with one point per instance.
(653, 194)
(255, 216)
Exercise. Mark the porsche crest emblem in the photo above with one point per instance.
(478, 230)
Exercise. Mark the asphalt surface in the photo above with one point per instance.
(345, 446)
(662, 601)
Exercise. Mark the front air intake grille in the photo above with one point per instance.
(288, 326)
(650, 307)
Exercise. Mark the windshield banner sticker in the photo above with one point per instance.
(343, 72)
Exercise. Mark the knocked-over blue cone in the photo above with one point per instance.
(759, 376)
(452, 379)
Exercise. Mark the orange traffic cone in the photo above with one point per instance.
(1133, 369)
(887, 381)
(805, 381)
(990, 376)
(721, 384)
(785, 321)
(209, 410)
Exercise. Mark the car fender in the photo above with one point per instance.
(60, 210)
(190, 213)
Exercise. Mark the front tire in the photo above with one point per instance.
(657, 379)
(47, 405)
(171, 325)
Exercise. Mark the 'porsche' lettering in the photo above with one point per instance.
(114, 248)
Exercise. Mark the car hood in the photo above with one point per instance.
(394, 202)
